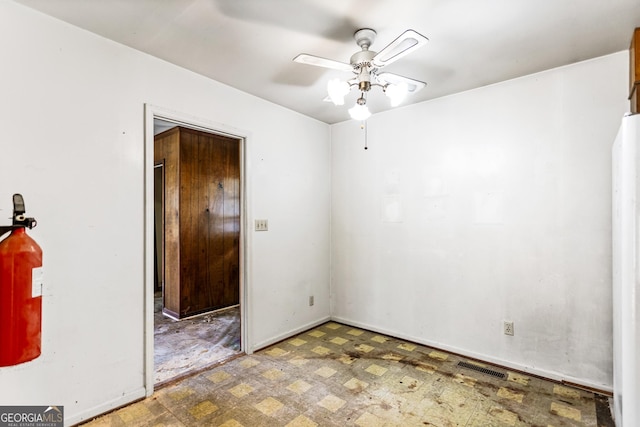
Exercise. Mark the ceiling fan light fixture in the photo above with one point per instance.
(366, 64)
(359, 111)
(337, 90)
(396, 93)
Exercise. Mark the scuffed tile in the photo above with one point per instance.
(364, 348)
(482, 420)
(566, 411)
(302, 421)
(503, 415)
(269, 406)
(180, 393)
(355, 332)
(346, 359)
(321, 350)
(454, 398)
(298, 361)
(299, 386)
(407, 346)
(133, 412)
(333, 326)
(339, 340)
(231, 423)
(356, 385)
(380, 339)
(317, 334)
(506, 393)
(566, 392)
(297, 342)
(332, 403)
(369, 420)
(203, 409)
(376, 370)
(103, 421)
(464, 379)
(438, 355)
(518, 378)
(218, 377)
(393, 357)
(276, 352)
(428, 403)
(450, 416)
(249, 362)
(426, 367)
(241, 390)
(272, 374)
(325, 372)
(410, 382)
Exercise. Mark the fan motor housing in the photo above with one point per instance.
(363, 57)
(365, 37)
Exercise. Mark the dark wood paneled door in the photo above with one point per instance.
(158, 226)
(205, 209)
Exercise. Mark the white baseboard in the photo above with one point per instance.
(103, 408)
(290, 333)
(551, 375)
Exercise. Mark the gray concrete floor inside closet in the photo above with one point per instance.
(192, 344)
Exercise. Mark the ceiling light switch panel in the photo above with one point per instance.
(262, 225)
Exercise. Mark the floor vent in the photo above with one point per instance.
(481, 369)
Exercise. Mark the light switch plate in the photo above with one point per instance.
(262, 225)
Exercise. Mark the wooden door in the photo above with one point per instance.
(158, 225)
(207, 216)
(210, 221)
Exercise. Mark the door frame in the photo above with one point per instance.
(152, 112)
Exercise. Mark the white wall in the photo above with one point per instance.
(72, 112)
(626, 299)
(505, 197)
(490, 205)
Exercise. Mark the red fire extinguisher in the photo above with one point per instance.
(20, 290)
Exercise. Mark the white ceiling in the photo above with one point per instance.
(249, 44)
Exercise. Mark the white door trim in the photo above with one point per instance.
(152, 112)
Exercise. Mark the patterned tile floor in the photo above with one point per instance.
(337, 375)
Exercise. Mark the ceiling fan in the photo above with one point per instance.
(366, 64)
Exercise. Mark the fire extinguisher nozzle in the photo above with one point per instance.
(19, 217)
(18, 205)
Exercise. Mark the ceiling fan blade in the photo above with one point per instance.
(412, 84)
(406, 43)
(318, 61)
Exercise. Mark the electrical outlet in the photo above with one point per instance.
(262, 225)
(508, 327)
(311, 302)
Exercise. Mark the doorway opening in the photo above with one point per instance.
(195, 291)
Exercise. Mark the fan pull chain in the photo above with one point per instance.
(364, 127)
